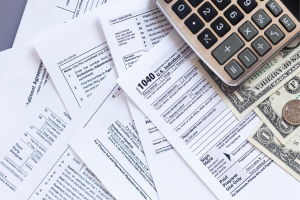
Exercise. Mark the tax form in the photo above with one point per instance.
(25, 74)
(78, 59)
(110, 146)
(169, 89)
(36, 161)
(42, 15)
(79, 77)
(164, 162)
(132, 29)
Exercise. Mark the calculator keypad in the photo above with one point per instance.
(228, 48)
(195, 3)
(194, 23)
(247, 5)
(234, 69)
(261, 46)
(248, 31)
(234, 15)
(274, 34)
(207, 12)
(235, 37)
(181, 9)
(220, 27)
(221, 4)
(207, 38)
(288, 24)
(275, 9)
(261, 19)
(247, 58)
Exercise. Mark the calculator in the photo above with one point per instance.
(234, 37)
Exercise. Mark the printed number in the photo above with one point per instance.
(181, 7)
(278, 93)
(206, 11)
(81, 99)
(247, 2)
(233, 14)
(220, 26)
(75, 87)
(296, 143)
(149, 78)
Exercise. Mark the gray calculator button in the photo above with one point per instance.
(274, 8)
(233, 69)
(248, 31)
(274, 34)
(228, 48)
(261, 46)
(247, 58)
(261, 19)
(288, 24)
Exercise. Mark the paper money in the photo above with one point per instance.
(286, 156)
(270, 110)
(269, 78)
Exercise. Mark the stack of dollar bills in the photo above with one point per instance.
(266, 92)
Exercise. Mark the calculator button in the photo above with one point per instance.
(233, 69)
(195, 3)
(228, 48)
(207, 12)
(234, 15)
(261, 19)
(168, 1)
(288, 24)
(274, 8)
(221, 4)
(194, 23)
(248, 31)
(220, 27)
(247, 5)
(274, 34)
(247, 58)
(181, 9)
(261, 46)
(207, 38)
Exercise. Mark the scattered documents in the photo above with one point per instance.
(169, 89)
(106, 102)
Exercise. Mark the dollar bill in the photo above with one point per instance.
(270, 110)
(269, 78)
(286, 156)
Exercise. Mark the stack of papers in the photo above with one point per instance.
(102, 100)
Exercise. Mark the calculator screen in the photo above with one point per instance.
(293, 6)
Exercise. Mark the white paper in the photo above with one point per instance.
(168, 88)
(29, 138)
(83, 40)
(36, 161)
(4, 56)
(78, 59)
(111, 148)
(132, 29)
(42, 15)
(25, 74)
(164, 162)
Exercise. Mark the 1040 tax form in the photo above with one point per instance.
(169, 89)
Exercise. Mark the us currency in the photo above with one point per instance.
(270, 110)
(269, 78)
(286, 156)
